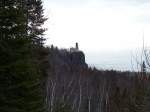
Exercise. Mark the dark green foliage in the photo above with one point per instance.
(35, 21)
(22, 69)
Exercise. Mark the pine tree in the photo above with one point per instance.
(143, 69)
(35, 21)
(22, 76)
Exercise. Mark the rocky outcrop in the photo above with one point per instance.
(66, 59)
(77, 58)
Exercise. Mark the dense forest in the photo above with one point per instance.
(35, 78)
(75, 87)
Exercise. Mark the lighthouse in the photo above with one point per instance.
(77, 47)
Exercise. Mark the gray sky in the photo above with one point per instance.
(101, 27)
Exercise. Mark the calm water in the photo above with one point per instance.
(118, 60)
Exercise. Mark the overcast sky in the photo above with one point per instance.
(108, 31)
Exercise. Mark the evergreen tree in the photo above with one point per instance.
(143, 69)
(22, 76)
(35, 21)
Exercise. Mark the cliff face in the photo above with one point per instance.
(77, 58)
(66, 59)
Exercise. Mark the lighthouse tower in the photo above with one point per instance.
(77, 47)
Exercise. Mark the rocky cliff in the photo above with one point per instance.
(67, 59)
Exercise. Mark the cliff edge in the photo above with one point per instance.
(67, 59)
